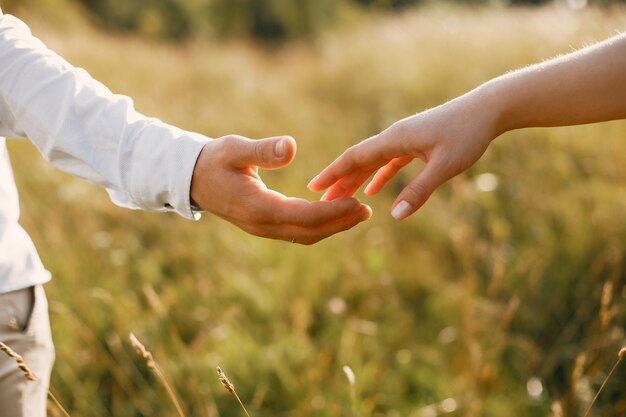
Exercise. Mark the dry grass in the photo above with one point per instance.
(620, 356)
(230, 388)
(475, 297)
(150, 362)
(28, 374)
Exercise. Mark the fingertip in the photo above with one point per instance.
(371, 189)
(320, 183)
(291, 143)
(285, 149)
(367, 212)
(311, 184)
(351, 202)
(402, 210)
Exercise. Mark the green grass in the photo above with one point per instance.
(469, 299)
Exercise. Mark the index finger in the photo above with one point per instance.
(372, 153)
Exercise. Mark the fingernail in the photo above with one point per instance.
(312, 181)
(368, 211)
(401, 210)
(279, 150)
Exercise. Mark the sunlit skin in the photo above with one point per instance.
(586, 86)
(226, 182)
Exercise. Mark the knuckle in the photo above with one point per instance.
(386, 176)
(400, 128)
(234, 136)
(260, 152)
(352, 155)
(337, 190)
(416, 192)
(231, 140)
(229, 145)
(396, 130)
(402, 131)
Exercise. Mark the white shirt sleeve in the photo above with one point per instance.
(84, 129)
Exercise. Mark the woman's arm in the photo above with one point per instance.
(582, 87)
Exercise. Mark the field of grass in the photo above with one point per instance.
(488, 302)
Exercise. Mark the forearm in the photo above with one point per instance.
(86, 130)
(582, 87)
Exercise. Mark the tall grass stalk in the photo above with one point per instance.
(230, 388)
(147, 355)
(351, 380)
(620, 356)
(28, 374)
(401, 284)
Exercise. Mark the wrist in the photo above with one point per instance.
(489, 108)
(197, 186)
(509, 103)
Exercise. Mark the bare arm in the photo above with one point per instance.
(582, 87)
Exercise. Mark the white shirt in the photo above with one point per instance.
(85, 130)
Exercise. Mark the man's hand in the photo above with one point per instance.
(226, 183)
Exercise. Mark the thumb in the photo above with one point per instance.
(270, 153)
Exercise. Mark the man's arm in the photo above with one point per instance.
(85, 130)
(582, 87)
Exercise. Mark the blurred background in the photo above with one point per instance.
(504, 295)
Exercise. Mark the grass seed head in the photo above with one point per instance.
(225, 381)
(142, 351)
(20, 362)
(349, 374)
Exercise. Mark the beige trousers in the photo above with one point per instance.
(25, 327)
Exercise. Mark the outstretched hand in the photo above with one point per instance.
(226, 183)
(448, 138)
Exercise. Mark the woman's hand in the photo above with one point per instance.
(448, 138)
